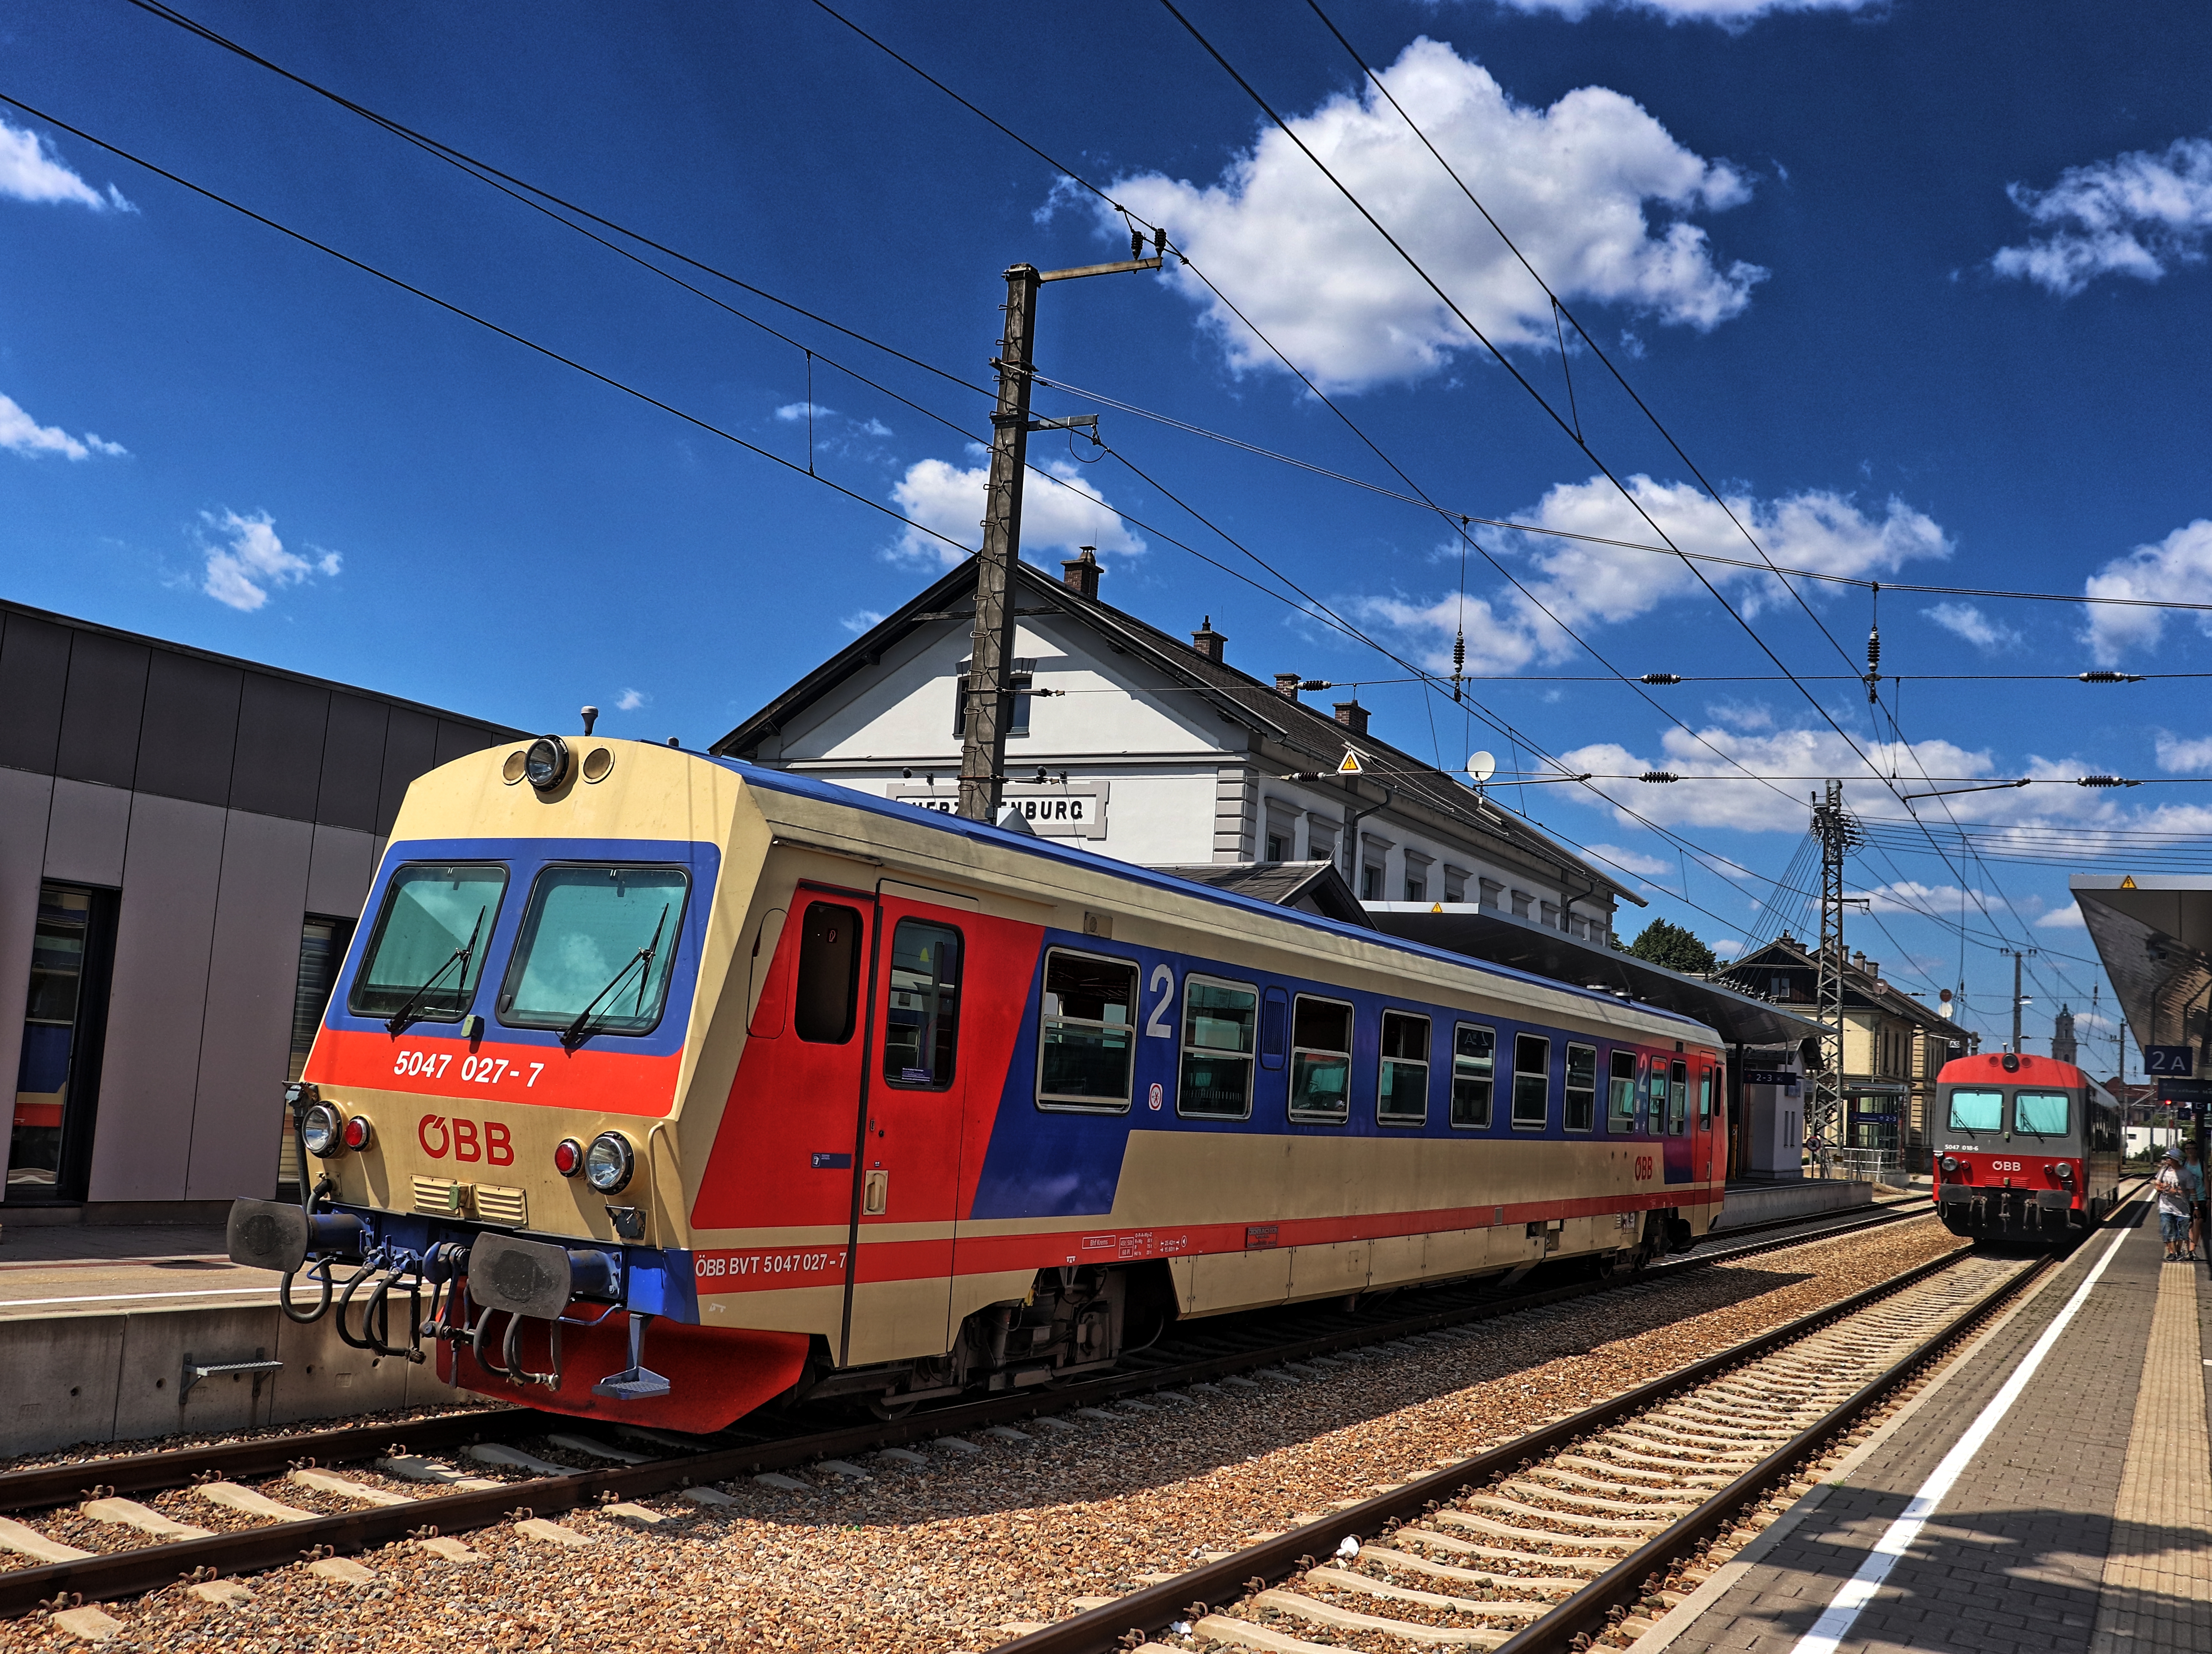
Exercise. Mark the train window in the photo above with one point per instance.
(1087, 1033)
(1581, 1087)
(597, 948)
(921, 1017)
(2040, 1114)
(420, 960)
(1977, 1110)
(1620, 1101)
(1704, 1097)
(1217, 1025)
(829, 974)
(1677, 1099)
(1401, 1089)
(1320, 1059)
(1474, 1061)
(1532, 1082)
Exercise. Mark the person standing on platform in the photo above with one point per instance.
(2192, 1168)
(2172, 1205)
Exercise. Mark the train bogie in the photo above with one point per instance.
(685, 1086)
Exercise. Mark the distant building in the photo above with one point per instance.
(1134, 744)
(1894, 1045)
(2062, 1035)
(186, 841)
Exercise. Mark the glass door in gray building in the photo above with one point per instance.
(64, 1027)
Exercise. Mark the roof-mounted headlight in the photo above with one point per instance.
(546, 763)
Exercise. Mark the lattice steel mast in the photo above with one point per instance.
(1838, 833)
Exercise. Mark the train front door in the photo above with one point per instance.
(905, 1176)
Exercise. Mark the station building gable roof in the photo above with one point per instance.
(1863, 989)
(1307, 738)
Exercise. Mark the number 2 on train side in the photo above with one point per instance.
(1163, 984)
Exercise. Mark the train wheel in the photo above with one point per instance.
(890, 1410)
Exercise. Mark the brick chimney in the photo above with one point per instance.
(1352, 716)
(1082, 573)
(1207, 642)
(1286, 682)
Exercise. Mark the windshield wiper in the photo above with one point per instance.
(400, 1020)
(575, 1034)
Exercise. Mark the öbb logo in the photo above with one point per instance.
(439, 1136)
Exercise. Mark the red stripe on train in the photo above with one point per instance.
(451, 1069)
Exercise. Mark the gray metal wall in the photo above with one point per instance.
(226, 802)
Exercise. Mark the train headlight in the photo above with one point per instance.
(359, 1134)
(546, 763)
(609, 1163)
(322, 1132)
(568, 1157)
(1950, 1165)
(2065, 1170)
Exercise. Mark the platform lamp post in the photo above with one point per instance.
(989, 710)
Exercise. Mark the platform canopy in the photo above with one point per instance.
(2153, 933)
(1485, 933)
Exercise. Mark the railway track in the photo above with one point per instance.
(1555, 1540)
(88, 1540)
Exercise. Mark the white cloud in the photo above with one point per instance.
(1929, 900)
(2066, 918)
(2175, 753)
(1570, 184)
(631, 700)
(21, 434)
(1727, 13)
(2138, 214)
(862, 620)
(1633, 860)
(31, 171)
(248, 562)
(2178, 569)
(791, 413)
(1588, 586)
(950, 500)
(1965, 620)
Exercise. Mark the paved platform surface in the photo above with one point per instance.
(2052, 1493)
(92, 1270)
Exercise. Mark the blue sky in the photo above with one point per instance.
(1918, 289)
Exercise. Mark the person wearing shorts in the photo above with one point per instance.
(2172, 1205)
(2192, 1169)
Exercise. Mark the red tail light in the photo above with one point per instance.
(568, 1157)
(359, 1134)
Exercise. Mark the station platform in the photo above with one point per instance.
(1743, 1204)
(2050, 1490)
(103, 1324)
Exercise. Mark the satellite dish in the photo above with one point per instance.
(1481, 766)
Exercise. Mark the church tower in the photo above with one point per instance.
(2062, 1035)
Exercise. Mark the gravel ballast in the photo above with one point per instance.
(968, 1547)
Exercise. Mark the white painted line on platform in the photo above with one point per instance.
(128, 1297)
(1843, 1611)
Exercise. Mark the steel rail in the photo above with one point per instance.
(1100, 1630)
(148, 1567)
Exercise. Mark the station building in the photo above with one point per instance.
(185, 842)
(1131, 742)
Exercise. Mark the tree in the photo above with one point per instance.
(1674, 947)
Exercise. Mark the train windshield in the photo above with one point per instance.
(1977, 1110)
(430, 941)
(596, 950)
(2040, 1114)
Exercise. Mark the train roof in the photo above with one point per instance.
(2003, 1069)
(808, 787)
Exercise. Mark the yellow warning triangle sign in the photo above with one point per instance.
(1351, 766)
(2128, 883)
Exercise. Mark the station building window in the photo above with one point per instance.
(65, 1026)
(1532, 1082)
(1279, 848)
(322, 944)
(1370, 883)
(1021, 681)
(1086, 1037)
(1475, 1076)
(1320, 1059)
(1417, 888)
(1218, 1021)
(1401, 1088)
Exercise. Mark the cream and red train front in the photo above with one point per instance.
(496, 1091)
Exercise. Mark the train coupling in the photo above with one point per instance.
(277, 1235)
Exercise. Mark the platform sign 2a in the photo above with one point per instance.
(2170, 1061)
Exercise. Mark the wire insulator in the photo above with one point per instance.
(2111, 678)
(2107, 781)
(1659, 776)
(1661, 677)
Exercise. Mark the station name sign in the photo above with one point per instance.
(1077, 810)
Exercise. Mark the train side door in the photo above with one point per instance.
(906, 1177)
(1704, 1125)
